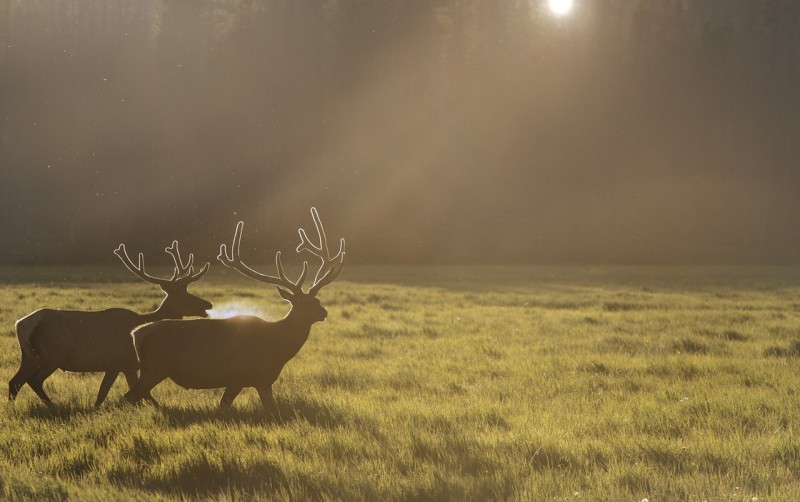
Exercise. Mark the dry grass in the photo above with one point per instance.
(445, 383)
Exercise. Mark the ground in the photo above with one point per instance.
(439, 383)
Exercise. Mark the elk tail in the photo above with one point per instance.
(26, 328)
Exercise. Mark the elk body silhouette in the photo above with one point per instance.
(100, 341)
(242, 351)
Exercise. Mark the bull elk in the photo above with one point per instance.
(242, 351)
(100, 341)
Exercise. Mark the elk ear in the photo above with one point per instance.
(286, 295)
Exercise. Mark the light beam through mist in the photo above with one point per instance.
(434, 132)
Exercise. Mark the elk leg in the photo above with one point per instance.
(267, 400)
(132, 378)
(26, 370)
(150, 398)
(105, 386)
(229, 395)
(15, 384)
(142, 389)
(37, 380)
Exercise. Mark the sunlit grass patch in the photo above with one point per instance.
(490, 383)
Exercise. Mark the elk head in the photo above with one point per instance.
(304, 304)
(178, 302)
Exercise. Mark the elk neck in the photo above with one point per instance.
(295, 327)
(164, 311)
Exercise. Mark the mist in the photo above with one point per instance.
(446, 131)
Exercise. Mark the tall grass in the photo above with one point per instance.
(438, 383)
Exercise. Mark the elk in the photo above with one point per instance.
(242, 351)
(100, 341)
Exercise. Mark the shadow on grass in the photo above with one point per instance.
(292, 410)
(195, 472)
(199, 472)
(288, 410)
(793, 350)
(56, 412)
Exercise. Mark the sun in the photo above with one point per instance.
(560, 7)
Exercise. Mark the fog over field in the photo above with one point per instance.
(431, 131)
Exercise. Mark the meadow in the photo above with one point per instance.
(442, 383)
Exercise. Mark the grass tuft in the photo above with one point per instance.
(793, 350)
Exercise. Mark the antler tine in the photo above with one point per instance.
(183, 270)
(234, 261)
(192, 277)
(329, 276)
(323, 240)
(321, 250)
(184, 273)
(139, 272)
(297, 285)
(224, 257)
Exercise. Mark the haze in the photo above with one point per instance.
(446, 131)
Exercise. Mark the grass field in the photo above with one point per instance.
(440, 383)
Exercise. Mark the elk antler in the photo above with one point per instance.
(185, 272)
(182, 269)
(328, 262)
(179, 274)
(235, 262)
(329, 276)
(138, 271)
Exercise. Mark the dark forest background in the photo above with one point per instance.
(425, 131)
